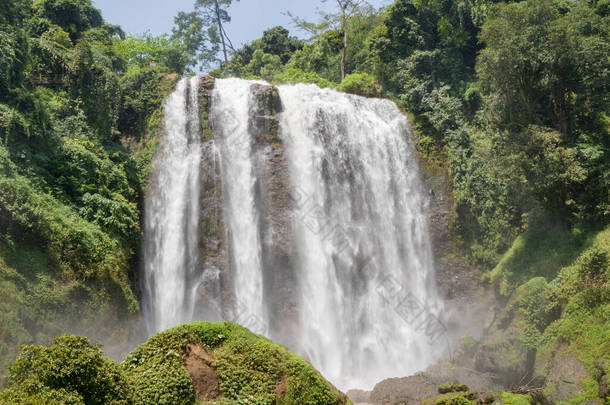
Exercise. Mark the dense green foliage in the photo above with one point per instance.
(72, 94)
(566, 307)
(71, 371)
(510, 98)
(249, 368)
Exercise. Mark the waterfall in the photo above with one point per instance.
(365, 255)
(325, 218)
(171, 215)
(230, 118)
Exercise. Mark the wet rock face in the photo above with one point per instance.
(265, 124)
(468, 312)
(566, 376)
(274, 197)
(213, 242)
(359, 396)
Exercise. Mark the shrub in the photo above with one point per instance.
(71, 371)
(294, 75)
(361, 84)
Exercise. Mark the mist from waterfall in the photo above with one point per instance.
(366, 306)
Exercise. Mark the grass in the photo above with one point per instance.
(539, 252)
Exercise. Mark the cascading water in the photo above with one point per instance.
(172, 213)
(229, 116)
(363, 289)
(362, 236)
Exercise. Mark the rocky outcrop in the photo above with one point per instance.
(273, 196)
(359, 397)
(565, 380)
(415, 389)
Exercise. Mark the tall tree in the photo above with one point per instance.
(347, 8)
(190, 30)
(214, 15)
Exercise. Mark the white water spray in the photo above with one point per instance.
(230, 116)
(172, 213)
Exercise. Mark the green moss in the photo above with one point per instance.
(541, 251)
(452, 399)
(210, 224)
(204, 113)
(516, 399)
(249, 368)
(572, 309)
(452, 387)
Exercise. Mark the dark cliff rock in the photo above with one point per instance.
(213, 245)
(274, 195)
(470, 308)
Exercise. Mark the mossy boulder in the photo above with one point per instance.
(461, 397)
(223, 363)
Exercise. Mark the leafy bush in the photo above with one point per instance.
(293, 75)
(71, 371)
(361, 84)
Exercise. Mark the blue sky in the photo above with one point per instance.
(250, 17)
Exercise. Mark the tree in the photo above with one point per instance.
(74, 16)
(548, 69)
(189, 29)
(169, 52)
(347, 8)
(277, 41)
(214, 14)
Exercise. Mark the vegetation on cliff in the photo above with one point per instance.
(70, 192)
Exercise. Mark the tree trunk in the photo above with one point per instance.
(344, 54)
(221, 32)
(344, 27)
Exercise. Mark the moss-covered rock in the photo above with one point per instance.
(247, 367)
(265, 125)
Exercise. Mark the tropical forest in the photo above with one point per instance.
(392, 202)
